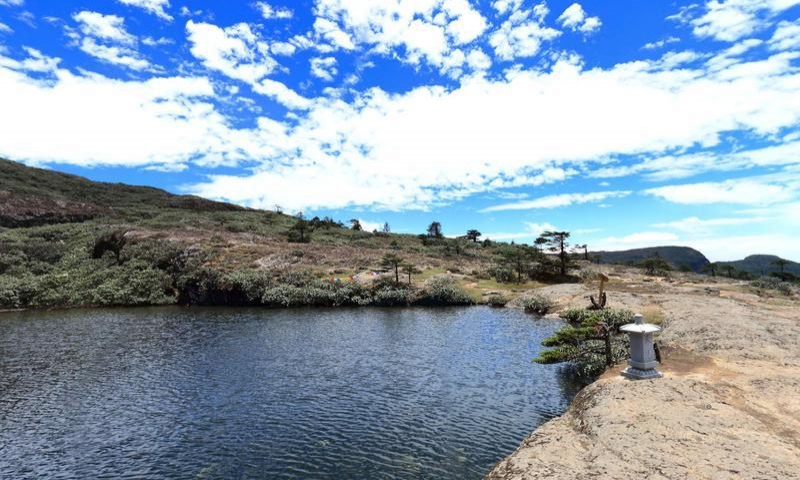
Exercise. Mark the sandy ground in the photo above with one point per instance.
(728, 406)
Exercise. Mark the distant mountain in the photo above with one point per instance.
(676, 256)
(758, 265)
(34, 196)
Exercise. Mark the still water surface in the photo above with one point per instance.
(263, 394)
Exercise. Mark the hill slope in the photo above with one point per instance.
(33, 196)
(759, 265)
(677, 256)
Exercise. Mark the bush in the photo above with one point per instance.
(503, 274)
(497, 301)
(772, 283)
(615, 317)
(537, 303)
(441, 291)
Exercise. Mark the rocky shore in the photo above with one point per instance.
(728, 406)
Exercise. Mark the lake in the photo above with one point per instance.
(275, 394)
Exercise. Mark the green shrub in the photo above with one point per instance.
(537, 303)
(497, 301)
(440, 291)
(772, 283)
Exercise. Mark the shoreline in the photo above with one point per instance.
(726, 408)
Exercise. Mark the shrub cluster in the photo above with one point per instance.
(537, 303)
(772, 283)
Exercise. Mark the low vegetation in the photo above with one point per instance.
(590, 342)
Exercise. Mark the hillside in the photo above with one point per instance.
(676, 256)
(762, 265)
(33, 196)
(68, 241)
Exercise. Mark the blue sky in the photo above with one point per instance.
(627, 123)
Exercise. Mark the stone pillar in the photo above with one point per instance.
(642, 363)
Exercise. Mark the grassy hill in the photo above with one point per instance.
(676, 256)
(68, 241)
(33, 196)
(762, 265)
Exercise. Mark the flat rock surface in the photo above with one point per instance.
(728, 406)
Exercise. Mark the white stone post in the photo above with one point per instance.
(642, 363)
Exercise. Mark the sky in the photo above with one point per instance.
(628, 123)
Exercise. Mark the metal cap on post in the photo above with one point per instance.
(642, 363)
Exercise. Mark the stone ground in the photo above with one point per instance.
(728, 406)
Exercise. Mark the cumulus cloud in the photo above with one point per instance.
(732, 20)
(106, 38)
(269, 12)
(786, 36)
(12, 3)
(523, 33)
(324, 68)
(94, 120)
(155, 7)
(236, 51)
(417, 32)
(576, 19)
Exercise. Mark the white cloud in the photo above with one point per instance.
(105, 27)
(105, 38)
(732, 20)
(155, 7)
(282, 94)
(576, 19)
(697, 226)
(423, 31)
(672, 167)
(786, 36)
(660, 43)
(557, 201)
(93, 120)
(740, 192)
(324, 68)
(186, 12)
(522, 34)
(530, 232)
(155, 42)
(269, 12)
(235, 51)
(114, 55)
(12, 3)
(5, 28)
(282, 48)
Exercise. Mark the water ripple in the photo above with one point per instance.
(289, 394)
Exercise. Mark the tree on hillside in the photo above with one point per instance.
(390, 260)
(556, 242)
(781, 264)
(473, 235)
(408, 269)
(517, 258)
(435, 230)
(300, 231)
(386, 228)
(355, 224)
(585, 249)
(711, 268)
(655, 265)
(730, 270)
